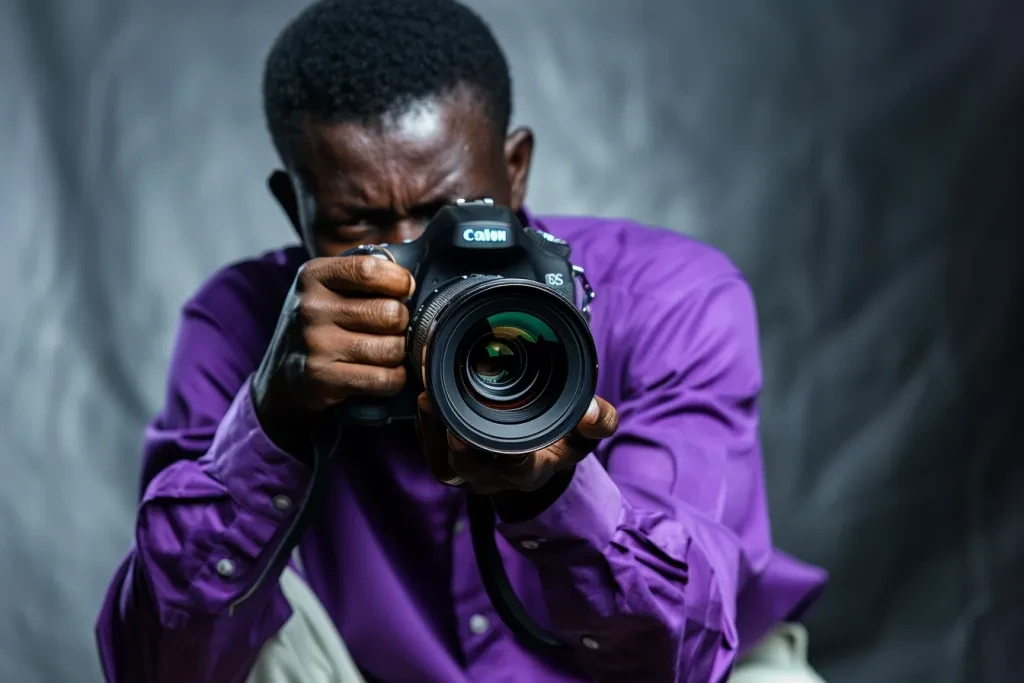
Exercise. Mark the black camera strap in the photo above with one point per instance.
(482, 529)
(321, 451)
(496, 583)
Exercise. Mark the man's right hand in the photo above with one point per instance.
(341, 333)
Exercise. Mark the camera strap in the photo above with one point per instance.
(496, 583)
(321, 450)
(482, 518)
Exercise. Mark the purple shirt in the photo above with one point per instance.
(659, 552)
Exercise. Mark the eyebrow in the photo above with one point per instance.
(430, 205)
(375, 214)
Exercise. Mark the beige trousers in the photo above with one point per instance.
(308, 649)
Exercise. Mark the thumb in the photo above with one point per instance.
(600, 421)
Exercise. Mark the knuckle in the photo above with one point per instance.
(392, 311)
(367, 267)
(568, 449)
(385, 352)
(316, 369)
(358, 348)
(315, 339)
(347, 312)
(308, 308)
(392, 315)
(308, 274)
(380, 380)
(395, 348)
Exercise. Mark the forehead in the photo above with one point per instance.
(424, 148)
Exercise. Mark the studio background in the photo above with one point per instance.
(860, 160)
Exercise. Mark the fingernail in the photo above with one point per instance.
(412, 286)
(593, 411)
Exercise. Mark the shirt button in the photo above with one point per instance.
(590, 643)
(460, 526)
(282, 503)
(529, 545)
(225, 567)
(479, 624)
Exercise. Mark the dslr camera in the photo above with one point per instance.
(496, 336)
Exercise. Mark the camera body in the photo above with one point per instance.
(474, 245)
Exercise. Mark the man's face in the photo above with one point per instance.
(367, 184)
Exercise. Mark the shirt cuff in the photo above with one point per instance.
(584, 518)
(258, 475)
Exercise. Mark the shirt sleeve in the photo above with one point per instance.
(194, 600)
(657, 561)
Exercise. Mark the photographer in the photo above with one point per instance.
(641, 538)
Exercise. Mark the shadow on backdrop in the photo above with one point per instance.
(860, 160)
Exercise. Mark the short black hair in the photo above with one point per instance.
(344, 60)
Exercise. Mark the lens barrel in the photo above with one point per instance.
(509, 364)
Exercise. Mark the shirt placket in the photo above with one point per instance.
(477, 624)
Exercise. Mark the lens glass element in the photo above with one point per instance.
(510, 361)
(494, 363)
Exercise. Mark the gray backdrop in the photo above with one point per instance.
(860, 159)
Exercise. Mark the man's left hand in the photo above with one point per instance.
(456, 464)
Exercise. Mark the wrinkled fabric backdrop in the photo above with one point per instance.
(861, 160)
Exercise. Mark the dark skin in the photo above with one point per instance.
(353, 184)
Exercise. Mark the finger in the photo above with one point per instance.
(467, 462)
(517, 468)
(433, 440)
(495, 472)
(340, 345)
(372, 316)
(480, 474)
(525, 472)
(339, 381)
(600, 420)
(361, 275)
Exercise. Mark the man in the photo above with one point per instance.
(642, 539)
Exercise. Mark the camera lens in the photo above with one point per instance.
(509, 364)
(493, 366)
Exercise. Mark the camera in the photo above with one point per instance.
(496, 336)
